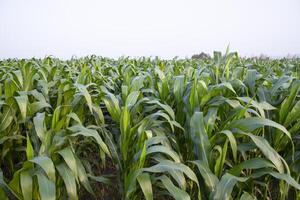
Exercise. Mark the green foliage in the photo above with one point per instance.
(214, 128)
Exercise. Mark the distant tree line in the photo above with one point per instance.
(202, 55)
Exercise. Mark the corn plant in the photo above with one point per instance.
(215, 128)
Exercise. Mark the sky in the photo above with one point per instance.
(165, 28)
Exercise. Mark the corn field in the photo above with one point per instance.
(216, 128)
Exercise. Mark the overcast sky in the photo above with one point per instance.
(167, 28)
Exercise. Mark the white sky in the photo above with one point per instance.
(166, 28)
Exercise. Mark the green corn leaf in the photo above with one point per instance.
(29, 149)
(164, 150)
(221, 159)
(142, 156)
(254, 163)
(225, 187)
(75, 117)
(252, 123)
(268, 151)
(281, 176)
(247, 196)
(102, 179)
(179, 87)
(3, 194)
(211, 180)
(112, 105)
(38, 122)
(132, 98)
(293, 115)
(6, 118)
(83, 178)
(83, 90)
(81, 130)
(199, 137)
(98, 115)
(166, 107)
(46, 187)
(233, 143)
(69, 180)
(145, 184)
(113, 149)
(22, 102)
(10, 87)
(69, 158)
(167, 166)
(37, 106)
(287, 103)
(47, 165)
(176, 192)
(179, 177)
(26, 185)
